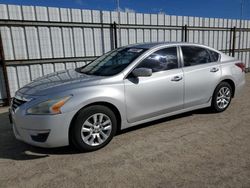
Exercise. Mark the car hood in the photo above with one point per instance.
(58, 81)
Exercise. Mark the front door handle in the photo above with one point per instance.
(176, 78)
(214, 69)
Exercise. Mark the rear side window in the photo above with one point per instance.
(214, 56)
(193, 55)
(164, 59)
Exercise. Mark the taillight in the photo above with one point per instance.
(241, 66)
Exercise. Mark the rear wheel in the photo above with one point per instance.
(93, 128)
(222, 97)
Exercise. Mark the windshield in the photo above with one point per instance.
(112, 62)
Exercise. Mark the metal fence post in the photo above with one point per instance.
(234, 41)
(5, 75)
(112, 36)
(182, 33)
(230, 41)
(115, 35)
(185, 33)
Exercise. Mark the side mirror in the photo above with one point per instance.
(142, 72)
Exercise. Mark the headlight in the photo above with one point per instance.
(51, 106)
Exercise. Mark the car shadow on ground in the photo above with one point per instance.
(10, 148)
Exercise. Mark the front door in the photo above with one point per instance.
(161, 93)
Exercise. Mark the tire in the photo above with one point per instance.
(222, 97)
(93, 128)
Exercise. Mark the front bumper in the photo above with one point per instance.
(42, 130)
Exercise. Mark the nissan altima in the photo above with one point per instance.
(125, 87)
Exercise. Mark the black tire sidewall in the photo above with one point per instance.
(217, 89)
(83, 115)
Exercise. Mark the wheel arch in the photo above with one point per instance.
(231, 83)
(102, 103)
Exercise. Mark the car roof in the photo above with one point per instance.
(158, 44)
(149, 45)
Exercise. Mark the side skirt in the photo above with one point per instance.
(127, 125)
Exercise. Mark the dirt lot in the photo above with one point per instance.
(196, 149)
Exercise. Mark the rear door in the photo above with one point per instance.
(201, 74)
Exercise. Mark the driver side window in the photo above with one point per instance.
(161, 60)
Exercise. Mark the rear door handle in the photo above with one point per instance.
(214, 69)
(176, 78)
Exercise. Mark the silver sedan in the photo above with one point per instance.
(123, 88)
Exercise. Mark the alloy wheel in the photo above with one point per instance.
(96, 129)
(223, 97)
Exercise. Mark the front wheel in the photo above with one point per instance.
(93, 128)
(222, 97)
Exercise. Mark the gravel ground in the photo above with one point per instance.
(196, 149)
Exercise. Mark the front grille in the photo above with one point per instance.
(16, 103)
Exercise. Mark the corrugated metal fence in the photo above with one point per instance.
(40, 40)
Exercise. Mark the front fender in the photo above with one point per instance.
(113, 94)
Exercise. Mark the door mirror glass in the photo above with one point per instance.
(142, 72)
